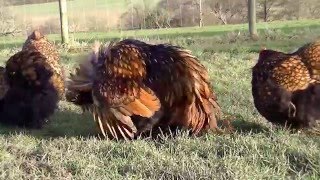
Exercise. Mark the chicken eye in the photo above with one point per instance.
(13, 73)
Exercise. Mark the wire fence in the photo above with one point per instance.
(21, 17)
(106, 15)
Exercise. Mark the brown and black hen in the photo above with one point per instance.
(132, 87)
(3, 86)
(36, 41)
(3, 83)
(286, 88)
(31, 98)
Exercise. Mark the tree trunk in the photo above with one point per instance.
(265, 11)
(252, 19)
(64, 21)
(180, 6)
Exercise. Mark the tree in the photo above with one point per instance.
(228, 10)
(7, 20)
(313, 8)
(252, 19)
(290, 10)
(267, 6)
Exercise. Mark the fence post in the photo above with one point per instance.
(64, 21)
(252, 19)
(200, 14)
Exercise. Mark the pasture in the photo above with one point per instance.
(75, 6)
(83, 15)
(69, 148)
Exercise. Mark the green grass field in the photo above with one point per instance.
(83, 15)
(68, 147)
(284, 31)
(75, 6)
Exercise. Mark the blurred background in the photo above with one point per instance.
(20, 16)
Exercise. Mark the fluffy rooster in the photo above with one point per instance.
(131, 87)
(31, 97)
(38, 42)
(286, 88)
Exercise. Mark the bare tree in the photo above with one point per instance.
(287, 9)
(7, 20)
(146, 17)
(228, 9)
(312, 8)
(266, 6)
(198, 12)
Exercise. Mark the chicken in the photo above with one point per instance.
(132, 87)
(31, 97)
(38, 42)
(3, 84)
(286, 88)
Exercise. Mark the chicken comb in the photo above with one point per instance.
(36, 35)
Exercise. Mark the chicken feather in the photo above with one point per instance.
(285, 86)
(140, 86)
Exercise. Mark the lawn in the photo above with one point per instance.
(68, 147)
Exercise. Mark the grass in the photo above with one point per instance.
(83, 15)
(68, 147)
(74, 6)
(268, 31)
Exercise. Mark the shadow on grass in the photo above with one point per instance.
(61, 124)
(238, 123)
(246, 127)
(70, 124)
(243, 126)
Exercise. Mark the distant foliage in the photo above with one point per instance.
(270, 10)
(7, 23)
(103, 15)
(183, 13)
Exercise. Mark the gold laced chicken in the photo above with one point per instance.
(3, 83)
(286, 89)
(30, 98)
(3, 86)
(36, 41)
(132, 87)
